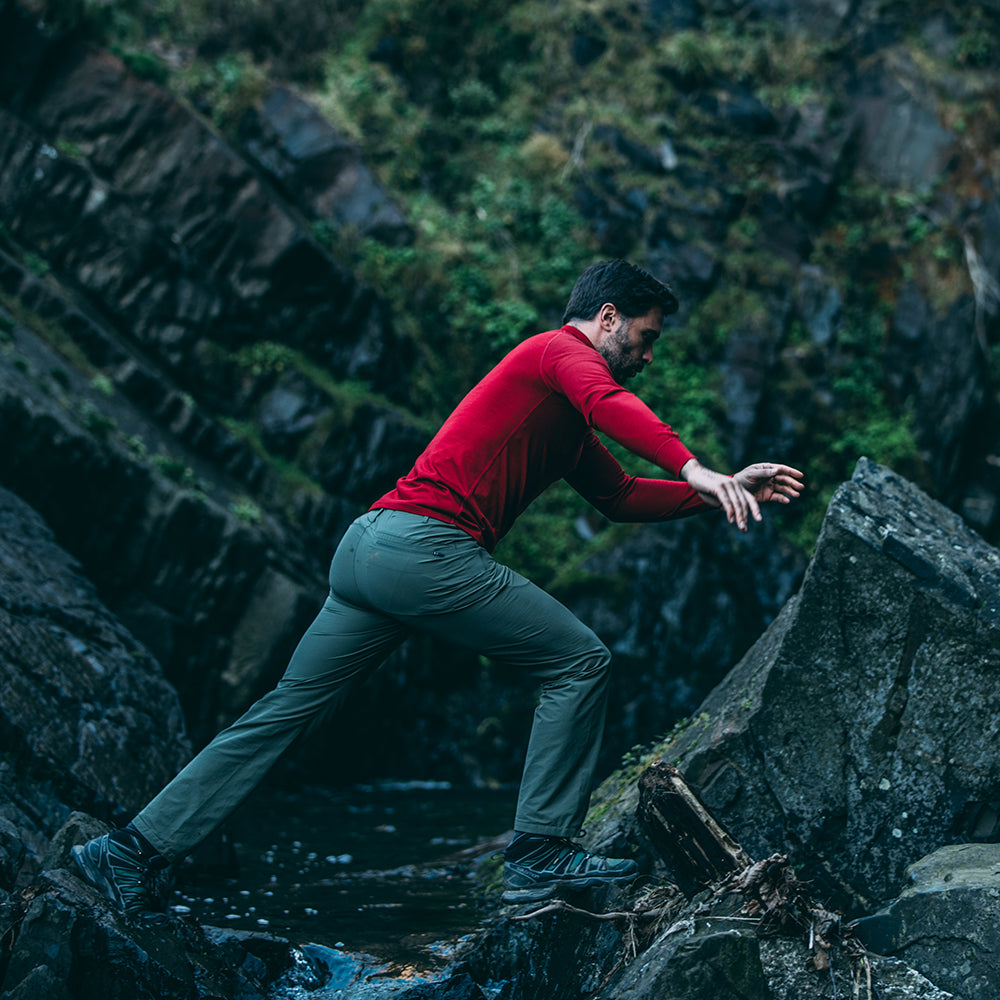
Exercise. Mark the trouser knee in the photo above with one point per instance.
(592, 665)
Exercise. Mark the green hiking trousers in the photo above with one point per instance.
(394, 574)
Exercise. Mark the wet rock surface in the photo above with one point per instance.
(853, 731)
(945, 921)
(86, 716)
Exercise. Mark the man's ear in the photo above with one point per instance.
(608, 315)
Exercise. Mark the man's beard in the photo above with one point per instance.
(616, 351)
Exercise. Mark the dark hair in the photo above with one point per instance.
(632, 290)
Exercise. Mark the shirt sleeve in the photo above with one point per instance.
(581, 374)
(600, 480)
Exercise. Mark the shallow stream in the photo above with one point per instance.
(383, 870)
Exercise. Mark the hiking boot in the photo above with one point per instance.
(537, 867)
(126, 869)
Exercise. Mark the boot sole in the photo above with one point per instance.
(546, 890)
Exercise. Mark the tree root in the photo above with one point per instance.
(775, 901)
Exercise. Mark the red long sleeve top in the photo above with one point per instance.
(530, 422)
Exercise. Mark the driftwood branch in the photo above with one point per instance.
(561, 905)
(698, 850)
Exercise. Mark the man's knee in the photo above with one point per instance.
(593, 661)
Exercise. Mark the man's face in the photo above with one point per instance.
(628, 346)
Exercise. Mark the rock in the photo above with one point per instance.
(78, 829)
(158, 219)
(458, 987)
(945, 921)
(11, 853)
(691, 269)
(786, 964)
(738, 110)
(676, 15)
(856, 731)
(41, 981)
(87, 717)
(822, 18)
(318, 168)
(750, 354)
(695, 961)
(818, 303)
(935, 361)
(263, 957)
(587, 48)
(66, 939)
(902, 142)
(362, 458)
(287, 414)
(559, 956)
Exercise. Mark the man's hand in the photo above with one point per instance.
(739, 495)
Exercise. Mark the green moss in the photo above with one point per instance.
(95, 422)
(103, 385)
(291, 477)
(490, 875)
(246, 510)
(50, 332)
(68, 148)
(177, 471)
(144, 65)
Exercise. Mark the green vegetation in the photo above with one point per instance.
(246, 510)
(291, 478)
(102, 385)
(94, 421)
(66, 147)
(144, 65)
(177, 471)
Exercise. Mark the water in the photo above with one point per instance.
(381, 870)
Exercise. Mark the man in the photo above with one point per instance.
(420, 560)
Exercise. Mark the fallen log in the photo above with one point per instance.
(696, 848)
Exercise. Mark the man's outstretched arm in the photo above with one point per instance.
(740, 495)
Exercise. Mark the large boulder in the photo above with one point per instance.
(318, 168)
(945, 921)
(86, 717)
(858, 732)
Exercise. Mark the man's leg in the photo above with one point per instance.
(343, 644)
(469, 599)
(522, 625)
